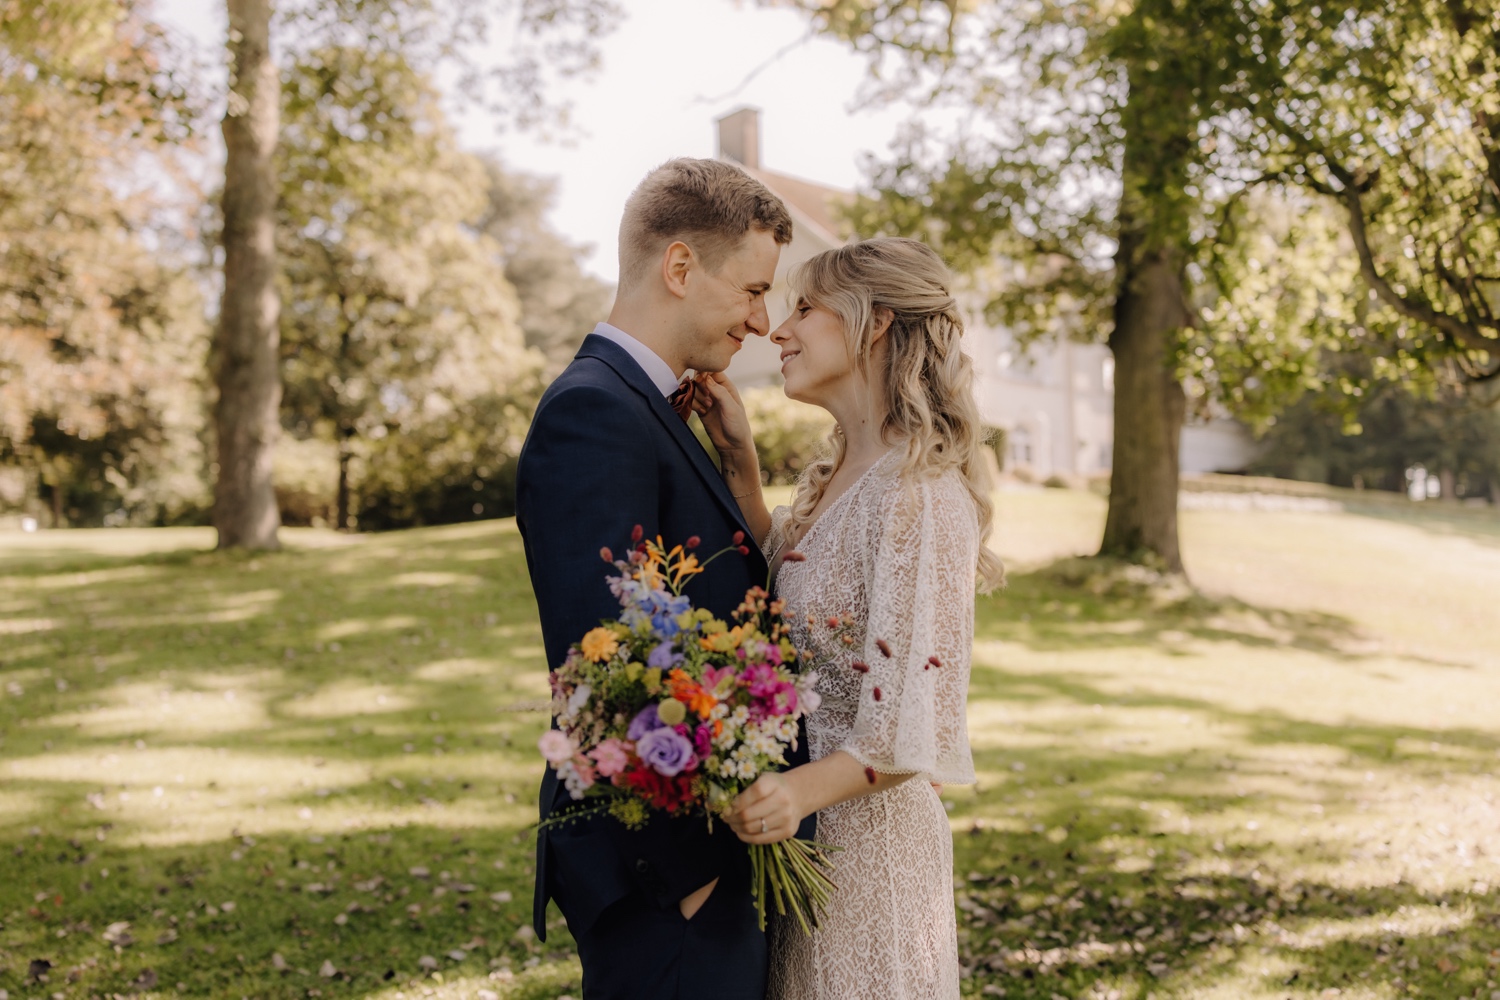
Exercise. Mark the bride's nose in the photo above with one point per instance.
(782, 334)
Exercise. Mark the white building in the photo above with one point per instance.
(1055, 400)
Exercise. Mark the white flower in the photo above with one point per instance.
(578, 700)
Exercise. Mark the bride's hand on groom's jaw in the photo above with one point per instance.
(718, 404)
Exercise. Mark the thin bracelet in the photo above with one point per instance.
(741, 496)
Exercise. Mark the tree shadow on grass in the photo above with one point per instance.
(1476, 524)
(1122, 914)
(346, 914)
(1092, 603)
(1087, 870)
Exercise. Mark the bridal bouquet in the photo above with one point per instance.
(670, 708)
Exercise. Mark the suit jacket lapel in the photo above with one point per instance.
(625, 366)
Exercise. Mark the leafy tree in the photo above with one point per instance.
(1122, 162)
(398, 314)
(549, 35)
(1393, 429)
(1398, 123)
(560, 302)
(101, 335)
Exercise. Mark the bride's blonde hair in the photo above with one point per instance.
(927, 379)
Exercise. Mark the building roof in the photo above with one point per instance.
(818, 205)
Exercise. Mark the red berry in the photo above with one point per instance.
(739, 538)
(744, 550)
(692, 542)
(861, 666)
(884, 647)
(606, 554)
(870, 775)
(934, 661)
(876, 693)
(637, 533)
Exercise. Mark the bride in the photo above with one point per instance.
(887, 532)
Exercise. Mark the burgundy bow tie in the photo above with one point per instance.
(681, 398)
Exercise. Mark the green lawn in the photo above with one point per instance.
(309, 773)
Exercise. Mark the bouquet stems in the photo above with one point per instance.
(795, 876)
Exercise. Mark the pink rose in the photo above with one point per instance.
(610, 757)
(555, 746)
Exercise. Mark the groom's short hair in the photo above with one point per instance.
(708, 204)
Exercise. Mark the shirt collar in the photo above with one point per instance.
(657, 370)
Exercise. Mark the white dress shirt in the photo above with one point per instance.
(657, 370)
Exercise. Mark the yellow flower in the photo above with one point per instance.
(633, 670)
(686, 620)
(653, 680)
(599, 644)
(724, 642)
(671, 711)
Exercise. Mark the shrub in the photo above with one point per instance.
(788, 434)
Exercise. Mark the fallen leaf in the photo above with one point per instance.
(278, 963)
(327, 969)
(458, 954)
(501, 897)
(427, 962)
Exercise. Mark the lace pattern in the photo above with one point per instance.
(900, 558)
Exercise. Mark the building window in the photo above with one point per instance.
(1020, 446)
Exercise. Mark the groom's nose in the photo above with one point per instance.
(758, 322)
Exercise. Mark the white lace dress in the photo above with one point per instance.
(902, 561)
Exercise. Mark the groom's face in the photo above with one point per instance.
(730, 304)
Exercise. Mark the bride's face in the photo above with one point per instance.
(814, 354)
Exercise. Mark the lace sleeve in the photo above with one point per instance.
(920, 574)
(781, 517)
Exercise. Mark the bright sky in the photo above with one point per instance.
(670, 69)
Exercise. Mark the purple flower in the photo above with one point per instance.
(663, 657)
(645, 721)
(665, 751)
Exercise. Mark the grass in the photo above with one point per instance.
(310, 773)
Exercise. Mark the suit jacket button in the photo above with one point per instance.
(642, 866)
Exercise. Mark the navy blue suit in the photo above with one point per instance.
(607, 452)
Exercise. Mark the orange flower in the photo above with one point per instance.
(599, 644)
(691, 693)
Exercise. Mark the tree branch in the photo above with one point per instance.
(1469, 336)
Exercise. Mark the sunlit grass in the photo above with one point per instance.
(1281, 785)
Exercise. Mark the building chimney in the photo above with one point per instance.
(739, 137)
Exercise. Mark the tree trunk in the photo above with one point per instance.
(246, 371)
(1149, 411)
(57, 505)
(1448, 486)
(1150, 309)
(341, 504)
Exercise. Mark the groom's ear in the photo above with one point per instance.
(676, 262)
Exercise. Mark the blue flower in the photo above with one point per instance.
(664, 657)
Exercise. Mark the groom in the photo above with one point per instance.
(664, 911)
